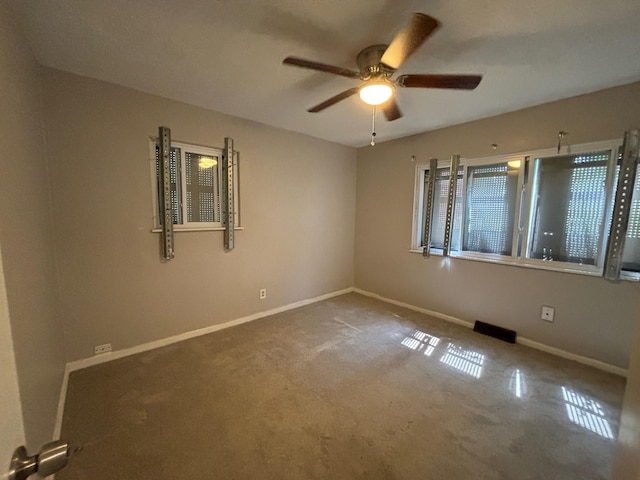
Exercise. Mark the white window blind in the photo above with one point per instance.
(489, 216)
(203, 201)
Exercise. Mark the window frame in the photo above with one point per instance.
(480, 162)
(186, 226)
(524, 210)
(613, 146)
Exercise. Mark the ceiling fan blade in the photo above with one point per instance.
(460, 82)
(333, 100)
(391, 110)
(322, 67)
(409, 39)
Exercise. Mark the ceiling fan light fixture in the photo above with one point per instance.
(376, 92)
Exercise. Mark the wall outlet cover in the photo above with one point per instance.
(104, 348)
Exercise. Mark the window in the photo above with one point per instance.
(488, 220)
(631, 252)
(569, 207)
(196, 198)
(535, 209)
(439, 216)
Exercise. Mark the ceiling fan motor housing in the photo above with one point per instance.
(369, 62)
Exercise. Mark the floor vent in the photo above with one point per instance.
(495, 331)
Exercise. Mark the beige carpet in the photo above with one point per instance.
(347, 388)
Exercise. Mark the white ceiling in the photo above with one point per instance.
(226, 54)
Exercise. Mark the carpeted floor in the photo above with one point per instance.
(348, 388)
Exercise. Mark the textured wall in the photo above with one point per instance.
(26, 234)
(297, 198)
(594, 318)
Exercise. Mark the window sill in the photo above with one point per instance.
(203, 229)
(627, 276)
(630, 276)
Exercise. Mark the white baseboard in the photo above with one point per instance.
(57, 428)
(572, 356)
(522, 340)
(448, 318)
(107, 357)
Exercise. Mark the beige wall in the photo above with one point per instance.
(594, 318)
(627, 462)
(297, 199)
(26, 235)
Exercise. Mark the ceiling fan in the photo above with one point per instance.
(377, 63)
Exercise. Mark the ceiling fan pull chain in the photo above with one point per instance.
(561, 135)
(373, 127)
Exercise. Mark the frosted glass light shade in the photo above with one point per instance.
(376, 93)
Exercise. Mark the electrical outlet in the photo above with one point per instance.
(263, 293)
(105, 348)
(548, 313)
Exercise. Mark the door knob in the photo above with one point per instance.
(52, 457)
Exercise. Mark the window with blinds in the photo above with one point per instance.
(439, 216)
(569, 207)
(203, 199)
(490, 205)
(196, 173)
(535, 209)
